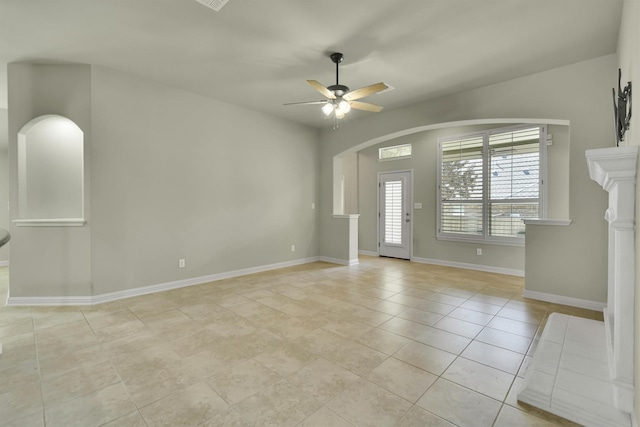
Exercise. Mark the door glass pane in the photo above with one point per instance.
(393, 212)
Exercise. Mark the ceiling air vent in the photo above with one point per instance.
(213, 4)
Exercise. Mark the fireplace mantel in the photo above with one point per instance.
(610, 165)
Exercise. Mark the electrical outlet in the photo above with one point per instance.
(478, 251)
(293, 248)
(182, 263)
(313, 205)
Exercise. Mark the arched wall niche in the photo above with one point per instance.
(50, 173)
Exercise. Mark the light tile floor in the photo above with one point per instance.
(384, 343)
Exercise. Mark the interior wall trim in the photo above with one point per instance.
(145, 290)
(561, 299)
(467, 266)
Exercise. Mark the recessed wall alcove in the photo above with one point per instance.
(349, 204)
(50, 173)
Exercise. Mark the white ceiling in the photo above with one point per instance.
(258, 53)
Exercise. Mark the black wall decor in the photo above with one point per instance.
(622, 109)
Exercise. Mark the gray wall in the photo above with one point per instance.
(4, 180)
(580, 93)
(169, 175)
(177, 175)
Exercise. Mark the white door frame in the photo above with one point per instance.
(409, 205)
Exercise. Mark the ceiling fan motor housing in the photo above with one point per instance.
(338, 90)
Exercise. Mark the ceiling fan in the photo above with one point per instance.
(340, 100)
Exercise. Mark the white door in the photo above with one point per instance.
(394, 214)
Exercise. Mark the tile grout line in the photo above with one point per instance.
(35, 339)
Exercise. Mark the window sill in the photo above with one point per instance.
(62, 222)
(561, 222)
(480, 240)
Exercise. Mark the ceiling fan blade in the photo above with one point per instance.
(365, 91)
(365, 106)
(323, 90)
(306, 103)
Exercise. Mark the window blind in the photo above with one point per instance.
(489, 182)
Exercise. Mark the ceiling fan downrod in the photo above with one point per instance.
(337, 58)
(338, 89)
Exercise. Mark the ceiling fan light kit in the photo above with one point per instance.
(339, 108)
(340, 99)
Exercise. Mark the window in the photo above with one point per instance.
(395, 152)
(489, 182)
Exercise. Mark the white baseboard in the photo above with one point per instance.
(561, 299)
(368, 253)
(145, 290)
(51, 301)
(340, 261)
(478, 267)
